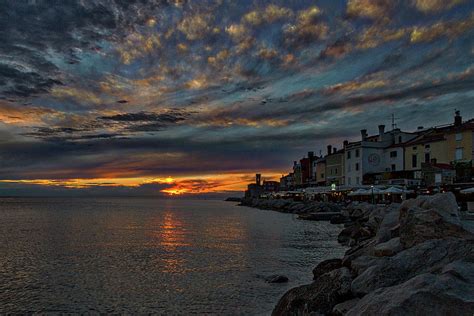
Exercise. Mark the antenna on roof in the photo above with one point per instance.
(394, 125)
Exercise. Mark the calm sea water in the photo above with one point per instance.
(103, 255)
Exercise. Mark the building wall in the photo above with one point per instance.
(438, 150)
(351, 174)
(321, 172)
(335, 168)
(397, 161)
(466, 143)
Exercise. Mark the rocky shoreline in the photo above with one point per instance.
(414, 258)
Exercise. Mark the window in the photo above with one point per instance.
(427, 157)
(414, 148)
(322, 175)
(458, 137)
(357, 152)
(357, 166)
(399, 139)
(335, 171)
(348, 155)
(414, 161)
(394, 167)
(459, 153)
(427, 146)
(393, 154)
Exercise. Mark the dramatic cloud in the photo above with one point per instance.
(110, 95)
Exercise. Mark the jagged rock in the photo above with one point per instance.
(362, 249)
(326, 266)
(423, 258)
(389, 248)
(390, 220)
(339, 219)
(449, 293)
(319, 297)
(276, 278)
(342, 308)
(426, 218)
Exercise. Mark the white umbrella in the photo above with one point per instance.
(359, 192)
(392, 190)
(467, 191)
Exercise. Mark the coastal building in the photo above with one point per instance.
(320, 171)
(271, 186)
(434, 173)
(297, 174)
(371, 159)
(335, 166)
(254, 190)
(287, 182)
(448, 145)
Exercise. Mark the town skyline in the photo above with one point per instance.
(195, 97)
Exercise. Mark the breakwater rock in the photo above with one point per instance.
(414, 258)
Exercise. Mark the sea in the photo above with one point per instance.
(152, 256)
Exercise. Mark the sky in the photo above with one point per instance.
(167, 97)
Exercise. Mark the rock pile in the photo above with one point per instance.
(416, 258)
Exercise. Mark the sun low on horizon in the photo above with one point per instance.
(178, 97)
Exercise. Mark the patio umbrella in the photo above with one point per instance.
(467, 191)
(393, 190)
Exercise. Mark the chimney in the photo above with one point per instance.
(457, 118)
(310, 155)
(258, 178)
(329, 149)
(334, 150)
(346, 142)
(381, 131)
(363, 134)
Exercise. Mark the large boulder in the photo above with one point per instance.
(430, 217)
(342, 308)
(319, 297)
(389, 248)
(449, 293)
(423, 258)
(389, 222)
(326, 266)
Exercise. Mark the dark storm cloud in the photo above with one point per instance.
(31, 28)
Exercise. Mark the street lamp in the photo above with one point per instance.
(373, 200)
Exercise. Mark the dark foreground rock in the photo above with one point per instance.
(319, 297)
(416, 258)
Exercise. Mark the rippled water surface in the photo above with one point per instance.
(152, 256)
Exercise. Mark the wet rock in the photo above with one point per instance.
(326, 266)
(449, 293)
(389, 248)
(423, 258)
(319, 297)
(276, 278)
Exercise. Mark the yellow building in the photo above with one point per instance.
(429, 145)
(460, 141)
